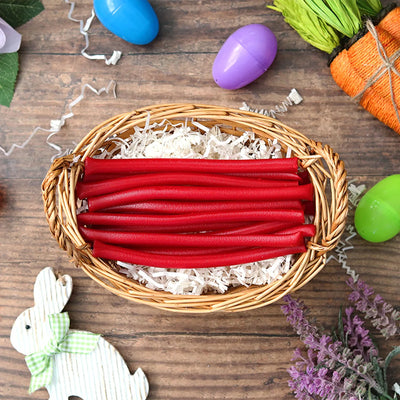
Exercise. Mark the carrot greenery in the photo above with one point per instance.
(369, 7)
(359, 67)
(344, 16)
(308, 25)
(322, 23)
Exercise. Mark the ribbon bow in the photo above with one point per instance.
(41, 363)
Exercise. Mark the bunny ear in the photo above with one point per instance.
(51, 294)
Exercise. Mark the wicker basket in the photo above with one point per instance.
(324, 166)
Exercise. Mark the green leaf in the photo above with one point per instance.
(8, 76)
(378, 373)
(372, 396)
(342, 336)
(17, 12)
(395, 352)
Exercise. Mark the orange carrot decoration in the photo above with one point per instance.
(368, 71)
(364, 45)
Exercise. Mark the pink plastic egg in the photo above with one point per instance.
(245, 56)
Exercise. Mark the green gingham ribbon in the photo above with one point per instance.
(41, 363)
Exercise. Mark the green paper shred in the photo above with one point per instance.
(8, 76)
(369, 7)
(308, 25)
(18, 12)
(344, 16)
(322, 23)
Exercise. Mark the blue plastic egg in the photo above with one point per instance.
(132, 20)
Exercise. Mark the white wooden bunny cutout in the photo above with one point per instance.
(69, 362)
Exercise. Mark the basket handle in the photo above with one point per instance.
(339, 197)
(51, 193)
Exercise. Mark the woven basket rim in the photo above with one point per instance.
(325, 168)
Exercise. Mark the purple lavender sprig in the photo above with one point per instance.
(335, 356)
(357, 337)
(334, 369)
(296, 313)
(310, 380)
(383, 316)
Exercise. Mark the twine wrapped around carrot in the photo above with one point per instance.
(369, 70)
(364, 45)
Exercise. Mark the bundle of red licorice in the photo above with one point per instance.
(194, 213)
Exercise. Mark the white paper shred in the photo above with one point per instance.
(293, 98)
(180, 141)
(57, 124)
(396, 388)
(83, 29)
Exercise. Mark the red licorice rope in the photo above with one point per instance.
(252, 229)
(183, 229)
(91, 189)
(220, 228)
(121, 167)
(112, 252)
(196, 193)
(192, 240)
(308, 230)
(185, 251)
(278, 176)
(187, 207)
(194, 213)
(140, 220)
(268, 176)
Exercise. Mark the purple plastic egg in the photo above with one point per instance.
(245, 56)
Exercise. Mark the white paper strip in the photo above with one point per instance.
(83, 29)
(57, 124)
(293, 98)
(340, 252)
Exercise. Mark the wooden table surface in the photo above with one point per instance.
(215, 356)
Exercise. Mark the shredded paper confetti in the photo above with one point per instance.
(57, 124)
(83, 29)
(293, 98)
(340, 253)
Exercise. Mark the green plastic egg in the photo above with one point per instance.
(377, 216)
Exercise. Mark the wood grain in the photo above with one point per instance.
(219, 356)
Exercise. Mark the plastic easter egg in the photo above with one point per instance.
(132, 20)
(377, 216)
(2, 38)
(245, 56)
(10, 39)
